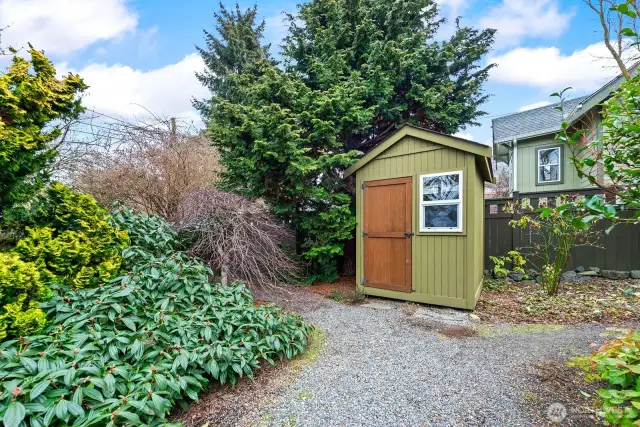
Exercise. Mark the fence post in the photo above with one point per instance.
(515, 233)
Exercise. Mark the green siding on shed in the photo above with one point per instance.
(447, 268)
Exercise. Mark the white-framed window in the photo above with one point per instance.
(441, 202)
(549, 165)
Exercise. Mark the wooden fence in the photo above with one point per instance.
(618, 250)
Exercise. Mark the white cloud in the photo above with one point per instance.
(64, 26)
(548, 68)
(516, 20)
(452, 8)
(276, 28)
(120, 90)
(534, 105)
(464, 135)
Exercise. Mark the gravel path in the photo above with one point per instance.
(379, 368)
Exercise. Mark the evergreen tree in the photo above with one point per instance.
(355, 70)
(390, 46)
(235, 46)
(278, 141)
(31, 97)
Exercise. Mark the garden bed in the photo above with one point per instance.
(602, 301)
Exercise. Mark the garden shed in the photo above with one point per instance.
(420, 213)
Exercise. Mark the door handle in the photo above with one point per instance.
(408, 234)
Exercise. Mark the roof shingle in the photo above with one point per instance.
(538, 121)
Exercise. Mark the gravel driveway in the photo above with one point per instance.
(378, 368)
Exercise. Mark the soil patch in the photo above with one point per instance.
(344, 284)
(606, 302)
(458, 332)
(573, 385)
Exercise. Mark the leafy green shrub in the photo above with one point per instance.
(21, 291)
(618, 362)
(554, 233)
(498, 266)
(515, 258)
(148, 235)
(69, 238)
(126, 352)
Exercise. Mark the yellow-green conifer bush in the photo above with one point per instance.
(21, 292)
(69, 238)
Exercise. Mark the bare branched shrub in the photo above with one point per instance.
(237, 237)
(150, 166)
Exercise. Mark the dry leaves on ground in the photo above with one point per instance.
(607, 302)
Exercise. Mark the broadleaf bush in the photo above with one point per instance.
(126, 352)
(618, 362)
(149, 236)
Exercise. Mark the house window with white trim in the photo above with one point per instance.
(549, 165)
(441, 202)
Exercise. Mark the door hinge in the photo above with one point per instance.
(408, 234)
(364, 233)
(363, 186)
(363, 281)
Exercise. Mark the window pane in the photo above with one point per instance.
(440, 216)
(549, 173)
(444, 187)
(550, 156)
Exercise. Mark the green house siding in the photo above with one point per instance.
(527, 171)
(447, 268)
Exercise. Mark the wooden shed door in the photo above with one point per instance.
(387, 234)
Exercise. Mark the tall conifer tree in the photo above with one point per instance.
(354, 71)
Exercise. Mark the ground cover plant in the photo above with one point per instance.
(126, 352)
(618, 363)
(610, 302)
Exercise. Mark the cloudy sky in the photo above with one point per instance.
(142, 52)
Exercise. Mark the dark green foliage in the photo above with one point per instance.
(125, 353)
(278, 142)
(148, 235)
(389, 49)
(355, 71)
(233, 50)
(31, 97)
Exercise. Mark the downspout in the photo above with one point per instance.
(515, 164)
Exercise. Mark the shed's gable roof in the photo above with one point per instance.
(481, 151)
